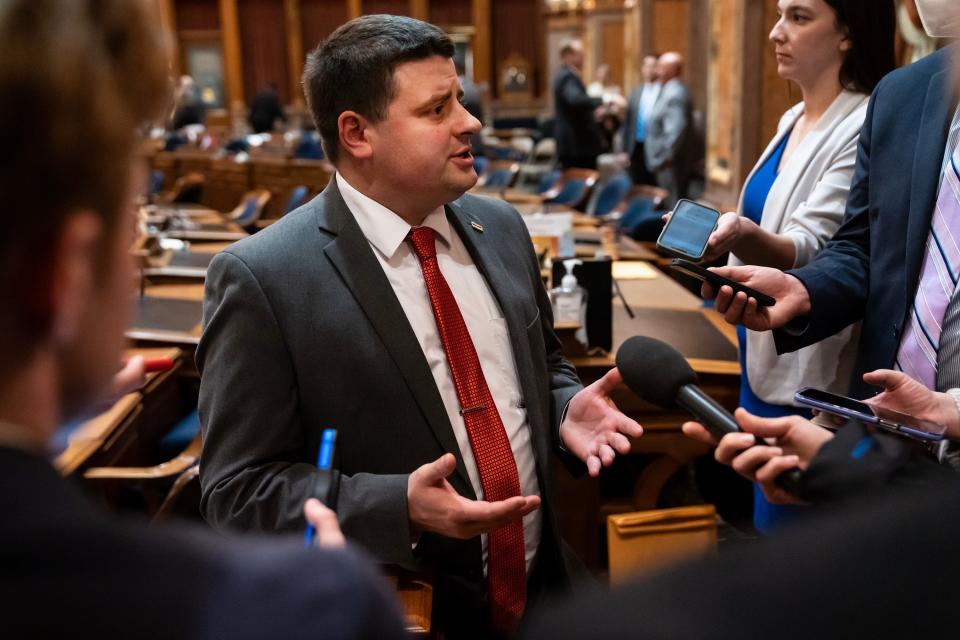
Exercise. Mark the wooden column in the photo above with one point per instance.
(168, 22)
(291, 14)
(230, 33)
(420, 10)
(482, 46)
(354, 9)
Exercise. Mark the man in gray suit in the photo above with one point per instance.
(412, 318)
(669, 129)
(639, 107)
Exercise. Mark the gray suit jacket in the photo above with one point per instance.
(303, 331)
(669, 127)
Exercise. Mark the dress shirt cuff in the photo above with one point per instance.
(563, 416)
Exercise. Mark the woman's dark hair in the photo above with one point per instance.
(871, 27)
(353, 69)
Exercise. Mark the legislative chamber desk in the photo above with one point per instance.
(662, 309)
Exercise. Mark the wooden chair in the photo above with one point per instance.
(250, 207)
(188, 189)
(500, 175)
(573, 188)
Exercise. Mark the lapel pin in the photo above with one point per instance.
(477, 226)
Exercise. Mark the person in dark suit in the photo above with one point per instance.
(412, 318)
(78, 78)
(575, 122)
(265, 109)
(873, 268)
(635, 123)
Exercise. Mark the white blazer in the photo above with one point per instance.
(807, 203)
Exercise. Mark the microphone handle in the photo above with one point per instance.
(719, 422)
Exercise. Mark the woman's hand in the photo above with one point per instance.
(725, 238)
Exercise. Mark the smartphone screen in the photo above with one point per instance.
(689, 229)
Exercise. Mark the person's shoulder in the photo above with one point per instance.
(921, 71)
(280, 238)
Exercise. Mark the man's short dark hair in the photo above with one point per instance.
(352, 70)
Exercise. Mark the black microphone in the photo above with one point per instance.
(657, 373)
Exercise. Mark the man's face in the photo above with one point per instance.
(649, 69)
(422, 147)
(89, 361)
(574, 56)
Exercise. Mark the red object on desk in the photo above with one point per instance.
(154, 365)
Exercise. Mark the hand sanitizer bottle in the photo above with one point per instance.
(570, 301)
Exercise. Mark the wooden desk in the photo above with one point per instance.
(168, 314)
(106, 435)
(190, 263)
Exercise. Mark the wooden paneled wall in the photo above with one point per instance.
(255, 35)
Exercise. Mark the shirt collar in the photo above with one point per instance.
(383, 228)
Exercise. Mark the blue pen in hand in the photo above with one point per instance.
(328, 443)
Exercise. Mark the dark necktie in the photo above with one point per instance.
(506, 562)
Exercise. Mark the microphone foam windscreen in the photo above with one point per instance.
(654, 370)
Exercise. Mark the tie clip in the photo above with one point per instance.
(477, 226)
(479, 407)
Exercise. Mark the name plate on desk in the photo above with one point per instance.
(557, 225)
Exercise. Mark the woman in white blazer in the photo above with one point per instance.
(835, 51)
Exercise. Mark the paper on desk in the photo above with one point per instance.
(633, 270)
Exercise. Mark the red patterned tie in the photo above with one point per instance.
(506, 563)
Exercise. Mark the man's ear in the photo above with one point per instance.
(72, 273)
(354, 135)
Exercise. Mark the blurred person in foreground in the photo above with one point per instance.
(77, 77)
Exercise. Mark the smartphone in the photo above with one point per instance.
(701, 274)
(688, 230)
(886, 419)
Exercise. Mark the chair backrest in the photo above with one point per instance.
(480, 164)
(188, 189)
(610, 195)
(297, 197)
(500, 175)
(641, 219)
(573, 189)
(309, 148)
(523, 146)
(545, 151)
(548, 181)
(156, 182)
(251, 207)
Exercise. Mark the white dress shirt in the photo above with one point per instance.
(387, 232)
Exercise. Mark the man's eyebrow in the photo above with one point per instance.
(437, 97)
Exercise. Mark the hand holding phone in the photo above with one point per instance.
(717, 281)
(886, 419)
(688, 230)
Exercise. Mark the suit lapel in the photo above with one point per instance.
(925, 181)
(512, 299)
(351, 255)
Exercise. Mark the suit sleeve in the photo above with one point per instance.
(838, 279)
(675, 123)
(253, 474)
(575, 97)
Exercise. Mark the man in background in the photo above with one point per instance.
(639, 108)
(265, 109)
(668, 130)
(78, 78)
(575, 125)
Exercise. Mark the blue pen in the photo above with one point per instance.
(328, 443)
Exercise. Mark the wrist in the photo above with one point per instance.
(949, 403)
(800, 297)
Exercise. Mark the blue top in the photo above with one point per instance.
(765, 516)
